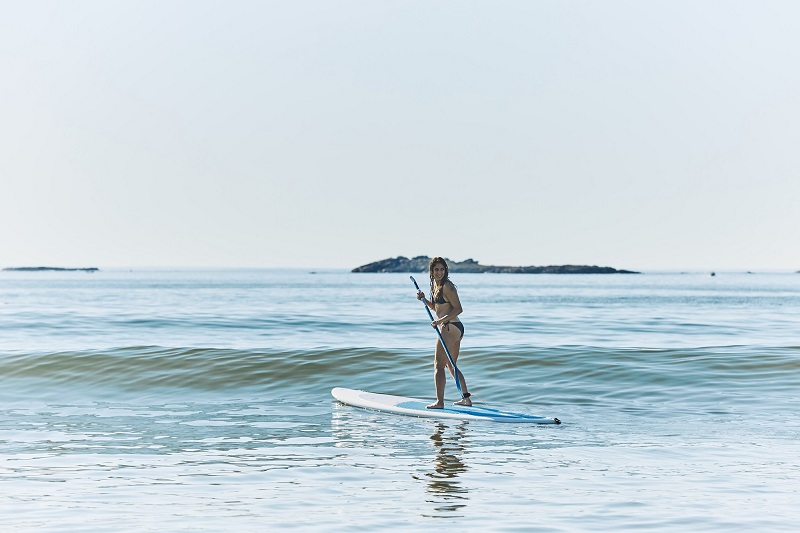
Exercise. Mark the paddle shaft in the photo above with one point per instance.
(441, 339)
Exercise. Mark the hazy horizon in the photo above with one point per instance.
(312, 268)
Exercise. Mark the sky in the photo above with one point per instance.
(652, 135)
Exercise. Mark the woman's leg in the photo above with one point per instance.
(452, 336)
(439, 377)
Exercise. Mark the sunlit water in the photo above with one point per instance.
(200, 401)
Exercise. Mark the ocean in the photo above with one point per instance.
(199, 400)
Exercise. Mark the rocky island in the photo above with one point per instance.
(470, 266)
(49, 269)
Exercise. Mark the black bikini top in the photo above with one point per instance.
(439, 298)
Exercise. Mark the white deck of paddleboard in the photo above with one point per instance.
(416, 407)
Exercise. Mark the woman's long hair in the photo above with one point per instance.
(445, 279)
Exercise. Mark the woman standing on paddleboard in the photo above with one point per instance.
(445, 303)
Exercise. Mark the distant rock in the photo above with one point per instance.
(49, 269)
(470, 266)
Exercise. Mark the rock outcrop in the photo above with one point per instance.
(49, 269)
(470, 266)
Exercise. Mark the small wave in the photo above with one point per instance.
(141, 368)
(562, 375)
(602, 376)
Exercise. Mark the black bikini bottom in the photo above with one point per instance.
(458, 325)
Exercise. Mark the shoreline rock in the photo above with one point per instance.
(470, 266)
(49, 269)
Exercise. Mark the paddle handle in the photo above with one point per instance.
(441, 339)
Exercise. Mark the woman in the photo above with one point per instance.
(445, 303)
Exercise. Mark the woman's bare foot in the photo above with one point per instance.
(437, 405)
(466, 402)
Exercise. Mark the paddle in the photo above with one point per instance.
(439, 333)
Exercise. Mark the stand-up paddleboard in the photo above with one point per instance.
(416, 407)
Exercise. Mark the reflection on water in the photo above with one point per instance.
(437, 461)
(442, 482)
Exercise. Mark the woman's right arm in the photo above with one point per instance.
(421, 296)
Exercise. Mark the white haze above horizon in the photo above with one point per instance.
(639, 135)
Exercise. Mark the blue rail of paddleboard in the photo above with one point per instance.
(474, 410)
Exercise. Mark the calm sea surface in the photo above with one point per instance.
(199, 400)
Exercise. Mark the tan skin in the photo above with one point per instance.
(446, 312)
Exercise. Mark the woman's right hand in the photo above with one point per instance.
(420, 295)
